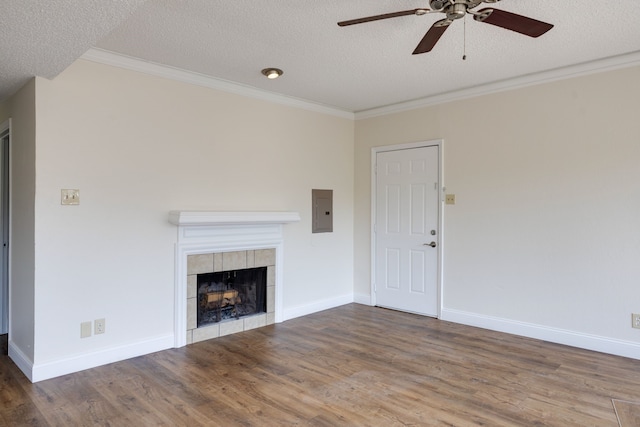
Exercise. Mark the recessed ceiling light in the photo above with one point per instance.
(272, 73)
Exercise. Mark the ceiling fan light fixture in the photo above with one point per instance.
(272, 73)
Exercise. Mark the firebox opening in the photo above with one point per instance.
(231, 294)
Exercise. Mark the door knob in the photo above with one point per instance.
(432, 244)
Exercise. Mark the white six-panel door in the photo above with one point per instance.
(406, 229)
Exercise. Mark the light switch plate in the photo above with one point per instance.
(69, 197)
(85, 329)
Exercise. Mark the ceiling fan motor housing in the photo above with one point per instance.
(437, 4)
(456, 11)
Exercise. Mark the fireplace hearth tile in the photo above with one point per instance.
(231, 327)
(192, 313)
(223, 261)
(253, 322)
(192, 286)
(234, 260)
(271, 275)
(206, 333)
(271, 318)
(217, 262)
(251, 259)
(265, 256)
(201, 263)
(271, 299)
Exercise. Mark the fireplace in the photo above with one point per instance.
(231, 294)
(214, 308)
(211, 244)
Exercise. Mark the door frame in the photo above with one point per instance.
(5, 282)
(408, 146)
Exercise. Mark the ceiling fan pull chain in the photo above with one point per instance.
(464, 38)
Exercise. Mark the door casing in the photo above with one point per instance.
(407, 146)
(5, 235)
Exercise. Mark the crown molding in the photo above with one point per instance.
(122, 61)
(586, 68)
(134, 64)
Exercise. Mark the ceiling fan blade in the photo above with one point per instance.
(384, 16)
(511, 21)
(431, 38)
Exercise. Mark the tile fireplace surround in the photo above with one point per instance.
(216, 241)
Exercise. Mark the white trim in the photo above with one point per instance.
(408, 146)
(80, 362)
(231, 218)
(21, 360)
(546, 333)
(597, 66)
(578, 70)
(212, 232)
(326, 304)
(6, 126)
(362, 299)
(184, 76)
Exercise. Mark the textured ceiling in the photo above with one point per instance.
(43, 37)
(352, 68)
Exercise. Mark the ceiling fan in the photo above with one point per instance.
(456, 9)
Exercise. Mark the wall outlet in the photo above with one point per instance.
(85, 329)
(99, 326)
(635, 320)
(450, 199)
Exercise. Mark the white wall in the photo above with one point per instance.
(545, 236)
(137, 147)
(21, 108)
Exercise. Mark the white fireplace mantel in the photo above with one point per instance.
(201, 232)
(182, 218)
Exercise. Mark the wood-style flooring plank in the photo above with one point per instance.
(350, 366)
(628, 413)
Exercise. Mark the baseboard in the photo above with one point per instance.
(21, 360)
(303, 310)
(559, 336)
(56, 368)
(43, 371)
(363, 299)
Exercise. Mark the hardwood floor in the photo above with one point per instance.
(349, 366)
